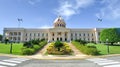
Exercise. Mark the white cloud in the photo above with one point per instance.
(45, 27)
(72, 7)
(33, 2)
(111, 10)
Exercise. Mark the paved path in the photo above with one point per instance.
(77, 54)
(42, 51)
(75, 50)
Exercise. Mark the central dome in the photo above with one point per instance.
(59, 22)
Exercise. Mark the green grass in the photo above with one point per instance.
(16, 48)
(103, 49)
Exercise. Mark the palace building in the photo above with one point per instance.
(58, 32)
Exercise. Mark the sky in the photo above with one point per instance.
(76, 13)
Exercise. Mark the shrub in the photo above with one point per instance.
(37, 41)
(36, 47)
(27, 44)
(89, 50)
(49, 50)
(65, 49)
(68, 50)
(28, 51)
(91, 46)
(58, 44)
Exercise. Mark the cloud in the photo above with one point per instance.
(45, 27)
(33, 2)
(72, 7)
(110, 10)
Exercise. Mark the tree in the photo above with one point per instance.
(1, 37)
(58, 45)
(111, 34)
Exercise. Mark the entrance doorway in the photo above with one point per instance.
(65, 39)
(60, 39)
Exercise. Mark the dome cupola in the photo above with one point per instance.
(59, 22)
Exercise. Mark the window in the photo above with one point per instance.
(11, 33)
(92, 34)
(59, 33)
(88, 39)
(65, 34)
(19, 33)
(98, 33)
(88, 34)
(46, 34)
(34, 34)
(75, 34)
(26, 34)
(84, 38)
(53, 34)
(38, 34)
(15, 33)
(71, 34)
(18, 38)
(84, 34)
(43, 34)
(79, 34)
(30, 34)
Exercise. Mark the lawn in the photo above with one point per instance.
(103, 49)
(16, 48)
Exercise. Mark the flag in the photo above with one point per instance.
(100, 19)
(20, 19)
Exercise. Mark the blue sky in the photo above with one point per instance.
(76, 13)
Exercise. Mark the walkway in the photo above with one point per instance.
(77, 54)
(42, 51)
(75, 50)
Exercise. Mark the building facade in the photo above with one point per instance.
(58, 32)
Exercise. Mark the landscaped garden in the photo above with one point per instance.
(26, 48)
(96, 49)
(16, 48)
(113, 49)
(59, 48)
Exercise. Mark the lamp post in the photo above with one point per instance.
(107, 46)
(10, 47)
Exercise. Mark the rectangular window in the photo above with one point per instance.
(88, 34)
(92, 34)
(30, 34)
(43, 34)
(71, 34)
(79, 34)
(84, 34)
(46, 34)
(34, 34)
(38, 34)
(15, 33)
(75, 34)
(26, 34)
(19, 33)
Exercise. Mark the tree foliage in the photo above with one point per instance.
(1, 37)
(58, 44)
(111, 34)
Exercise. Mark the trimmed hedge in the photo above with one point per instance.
(28, 51)
(63, 50)
(89, 50)
(34, 49)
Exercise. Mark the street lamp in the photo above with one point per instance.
(107, 46)
(10, 47)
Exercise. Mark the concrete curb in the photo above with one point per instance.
(55, 57)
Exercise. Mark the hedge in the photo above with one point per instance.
(34, 49)
(89, 50)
